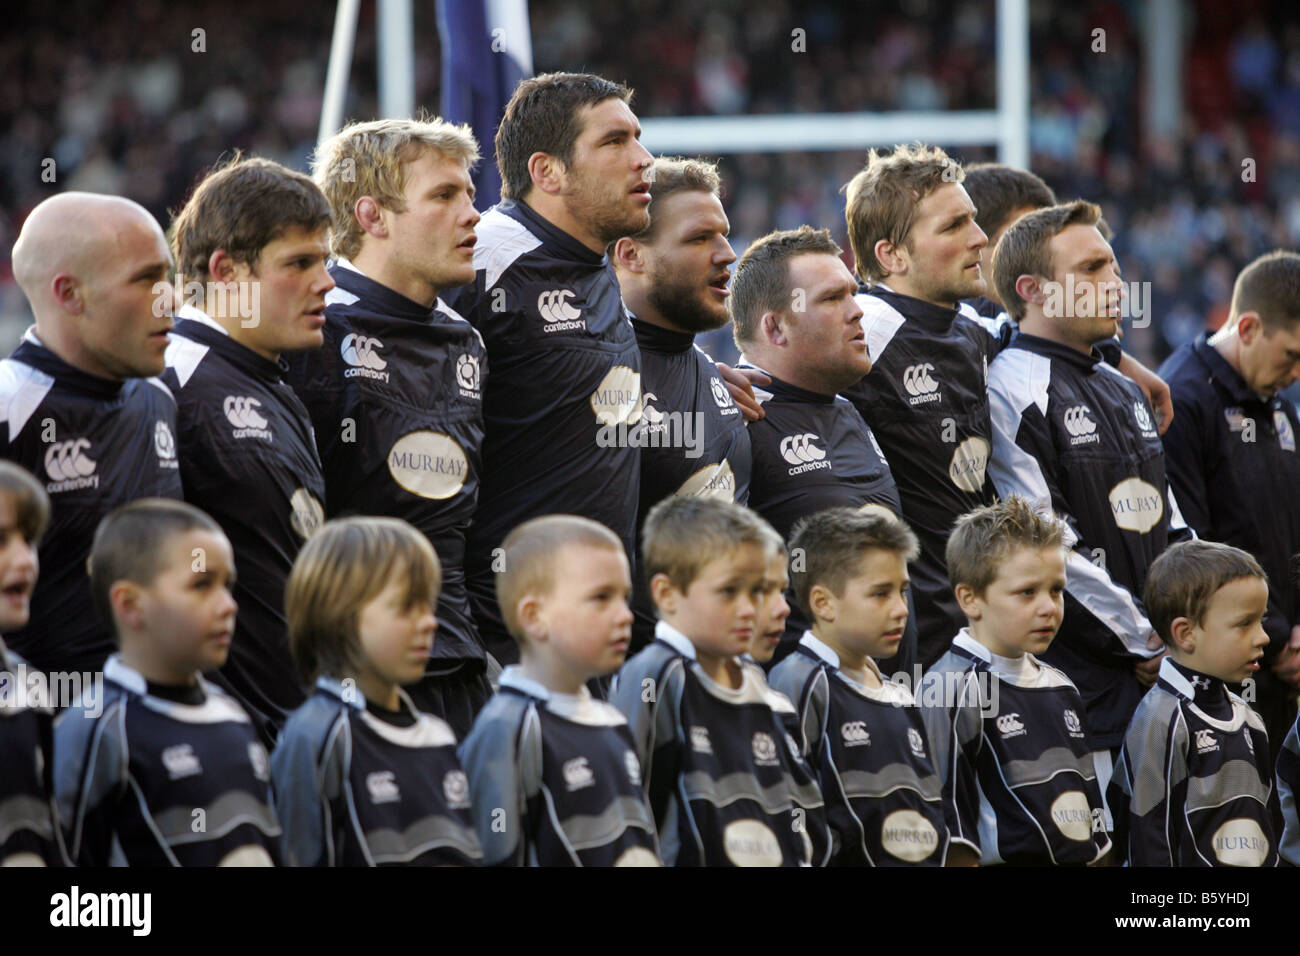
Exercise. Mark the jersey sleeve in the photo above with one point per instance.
(90, 778)
(1148, 788)
(649, 704)
(1024, 462)
(305, 789)
(956, 734)
(1288, 782)
(502, 756)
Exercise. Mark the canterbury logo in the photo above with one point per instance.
(362, 352)
(66, 460)
(799, 449)
(1010, 724)
(1077, 421)
(242, 412)
(855, 733)
(1205, 741)
(917, 380)
(554, 306)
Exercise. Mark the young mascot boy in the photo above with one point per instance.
(1007, 730)
(362, 777)
(29, 833)
(1193, 786)
(554, 775)
(169, 751)
(721, 775)
(861, 732)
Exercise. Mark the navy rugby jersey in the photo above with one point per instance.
(95, 445)
(1073, 435)
(248, 459)
(1288, 787)
(565, 374)
(356, 787)
(883, 795)
(926, 401)
(395, 396)
(555, 780)
(813, 452)
(155, 781)
(724, 790)
(1010, 747)
(29, 826)
(1192, 786)
(692, 436)
(1233, 463)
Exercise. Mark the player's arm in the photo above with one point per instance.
(90, 778)
(503, 760)
(306, 793)
(955, 728)
(1024, 462)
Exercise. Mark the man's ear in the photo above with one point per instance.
(370, 216)
(1250, 327)
(822, 605)
(629, 256)
(773, 328)
(546, 172)
(221, 267)
(66, 291)
(1030, 288)
(1183, 633)
(893, 259)
(968, 601)
(124, 598)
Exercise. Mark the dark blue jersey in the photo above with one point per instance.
(565, 375)
(357, 787)
(1192, 786)
(1010, 746)
(926, 401)
(29, 828)
(813, 452)
(145, 780)
(724, 790)
(248, 459)
(1074, 436)
(555, 781)
(692, 436)
(395, 396)
(1288, 788)
(94, 445)
(883, 796)
(1233, 463)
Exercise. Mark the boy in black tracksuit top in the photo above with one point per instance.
(1074, 436)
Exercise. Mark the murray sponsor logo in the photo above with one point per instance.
(556, 312)
(69, 467)
(800, 451)
(968, 464)
(1240, 842)
(429, 464)
(242, 412)
(1072, 815)
(920, 385)
(306, 514)
(657, 429)
(129, 910)
(907, 835)
(617, 399)
(1136, 505)
(751, 843)
(361, 353)
(711, 481)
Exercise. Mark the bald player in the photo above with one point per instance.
(82, 412)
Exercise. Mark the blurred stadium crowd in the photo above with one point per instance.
(123, 100)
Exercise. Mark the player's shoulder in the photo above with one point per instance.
(1021, 376)
(502, 241)
(501, 716)
(881, 323)
(793, 675)
(22, 390)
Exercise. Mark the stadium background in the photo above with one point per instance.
(115, 95)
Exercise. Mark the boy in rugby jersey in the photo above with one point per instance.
(163, 768)
(1006, 729)
(29, 833)
(1193, 785)
(361, 776)
(860, 731)
(722, 778)
(553, 772)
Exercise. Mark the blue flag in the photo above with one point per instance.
(486, 50)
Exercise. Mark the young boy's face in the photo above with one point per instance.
(719, 611)
(18, 568)
(1022, 608)
(774, 612)
(586, 618)
(396, 634)
(187, 612)
(1230, 641)
(871, 613)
